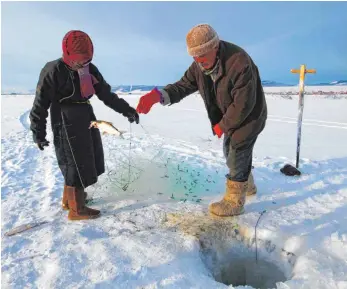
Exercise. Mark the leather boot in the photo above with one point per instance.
(251, 188)
(233, 201)
(76, 203)
(64, 202)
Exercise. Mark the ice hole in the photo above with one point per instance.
(232, 262)
(239, 267)
(232, 254)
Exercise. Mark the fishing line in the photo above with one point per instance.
(73, 156)
(131, 136)
(144, 129)
(112, 173)
(256, 240)
(67, 135)
(125, 187)
(148, 134)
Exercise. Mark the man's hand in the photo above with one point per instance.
(217, 130)
(43, 144)
(148, 100)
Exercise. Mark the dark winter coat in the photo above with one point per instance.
(235, 100)
(58, 89)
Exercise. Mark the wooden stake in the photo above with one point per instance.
(302, 71)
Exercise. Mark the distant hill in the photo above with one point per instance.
(270, 83)
(338, 82)
(129, 88)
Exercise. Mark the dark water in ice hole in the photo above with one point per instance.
(242, 271)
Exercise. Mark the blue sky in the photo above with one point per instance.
(144, 42)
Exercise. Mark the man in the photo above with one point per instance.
(65, 86)
(230, 86)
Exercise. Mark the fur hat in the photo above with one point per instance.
(201, 39)
(77, 47)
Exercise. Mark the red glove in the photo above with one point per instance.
(148, 100)
(217, 130)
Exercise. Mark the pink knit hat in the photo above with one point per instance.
(201, 39)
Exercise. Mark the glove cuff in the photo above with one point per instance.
(164, 97)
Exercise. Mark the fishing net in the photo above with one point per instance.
(148, 166)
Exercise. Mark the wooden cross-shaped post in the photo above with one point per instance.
(302, 71)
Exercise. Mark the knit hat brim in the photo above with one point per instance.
(204, 48)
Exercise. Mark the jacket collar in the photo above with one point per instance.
(221, 69)
(220, 62)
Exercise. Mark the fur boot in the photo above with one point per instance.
(76, 203)
(64, 202)
(233, 201)
(251, 188)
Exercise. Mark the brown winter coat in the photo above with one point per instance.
(236, 100)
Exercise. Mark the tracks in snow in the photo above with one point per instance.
(31, 190)
(31, 183)
(309, 122)
(284, 119)
(24, 120)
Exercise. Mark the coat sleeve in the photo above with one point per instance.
(43, 98)
(244, 95)
(104, 93)
(184, 87)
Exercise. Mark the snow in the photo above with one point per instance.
(157, 233)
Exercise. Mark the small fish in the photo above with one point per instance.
(106, 127)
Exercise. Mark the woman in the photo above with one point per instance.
(65, 86)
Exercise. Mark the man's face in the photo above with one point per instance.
(208, 59)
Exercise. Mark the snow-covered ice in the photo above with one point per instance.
(157, 233)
